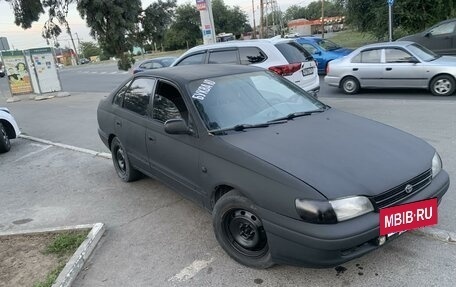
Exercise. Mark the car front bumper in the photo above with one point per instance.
(326, 245)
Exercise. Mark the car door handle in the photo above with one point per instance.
(355, 69)
(388, 69)
(119, 124)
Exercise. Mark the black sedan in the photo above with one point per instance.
(287, 178)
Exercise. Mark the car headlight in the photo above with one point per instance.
(332, 211)
(436, 165)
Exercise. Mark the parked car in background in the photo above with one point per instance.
(83, 61)
(155, 63)
(440, 38)
(393, 65)
(322, 50)
(8, 129)
(2, 70)
(282, 56)
(287, 178)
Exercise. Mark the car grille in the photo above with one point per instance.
(398, 193)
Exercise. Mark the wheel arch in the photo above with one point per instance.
(220, 190)
(8, 128)
(440, 74)
(110, 138)
(349, 76)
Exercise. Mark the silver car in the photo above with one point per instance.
(401, 64)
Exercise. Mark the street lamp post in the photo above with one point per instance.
(322, 18)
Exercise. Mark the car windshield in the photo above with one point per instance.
(249, 99)
(423, 53)
(327, 45)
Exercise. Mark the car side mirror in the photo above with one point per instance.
(177, 127)
(317, 52)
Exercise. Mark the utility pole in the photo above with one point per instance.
(322, 19)
(79, 44)
(261, 19)
(254, 26)
(74, 46)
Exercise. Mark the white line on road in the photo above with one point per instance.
(191, 270)
(32, 153)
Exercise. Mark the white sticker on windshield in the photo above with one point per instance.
(203, 90)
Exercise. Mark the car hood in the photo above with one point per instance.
(445, 61)
(337, 153)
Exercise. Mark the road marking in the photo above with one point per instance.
(191, 270)
(32, 153)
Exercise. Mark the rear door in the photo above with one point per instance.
(367, 66)
(441, 39)
(305, 75)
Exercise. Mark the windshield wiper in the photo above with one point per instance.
(241, 127)
(299, 114)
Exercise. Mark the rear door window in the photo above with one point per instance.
(193, 59)
(293, 52)
(368, 56)
(251, 55)
(223, 57)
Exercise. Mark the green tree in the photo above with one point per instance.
(295, 12)
(157, 18)
(410, 16)
(89, 49)
(185, 31)
(114, 24)
(228, 19)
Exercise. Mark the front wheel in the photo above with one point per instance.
(121, 162)
(5, 144)
(350, 85)
(443, 85)
(240, 232)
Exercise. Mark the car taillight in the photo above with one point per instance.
(286, 70)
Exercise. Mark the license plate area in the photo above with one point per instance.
(397, 219)
(307, 71)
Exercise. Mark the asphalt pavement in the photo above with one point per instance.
(157, 238)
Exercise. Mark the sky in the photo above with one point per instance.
(19, 38)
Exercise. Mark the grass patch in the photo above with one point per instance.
(63, 246)
(353, 39)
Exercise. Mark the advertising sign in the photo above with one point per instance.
(45, 68)
(18, 75)
(201, 5)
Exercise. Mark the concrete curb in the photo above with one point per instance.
(69, 147)
(437, 234)
(76, 262)
(431, 232)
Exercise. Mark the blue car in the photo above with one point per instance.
(155, 63)
(322, 50)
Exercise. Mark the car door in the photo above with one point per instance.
(403, 70)
(441, 38)
(367, 66)
(175, 157)
(131, 120)
(316, 54)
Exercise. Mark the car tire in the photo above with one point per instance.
(121, 162)
(5, 144)
(442, 85)
(350, 85)
(240, 231)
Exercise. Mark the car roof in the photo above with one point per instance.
(242, 43)
(158, 59)
(388, 44)
(187, 73)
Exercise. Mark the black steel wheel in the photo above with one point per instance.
(350, 85)
(443, 85)
(240, 232)
(121, 163)
(5, 144)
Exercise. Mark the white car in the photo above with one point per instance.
(282, 56)
(8, 129)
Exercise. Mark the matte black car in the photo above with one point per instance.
(287, 179)
(440, 38)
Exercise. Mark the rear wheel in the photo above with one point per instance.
(350, 85)
(240, 231)
(5, 144)
(443, 85)
(121, 162)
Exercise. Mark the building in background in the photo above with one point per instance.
(4, 44)
(304, 27)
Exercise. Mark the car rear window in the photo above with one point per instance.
(293, 52)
